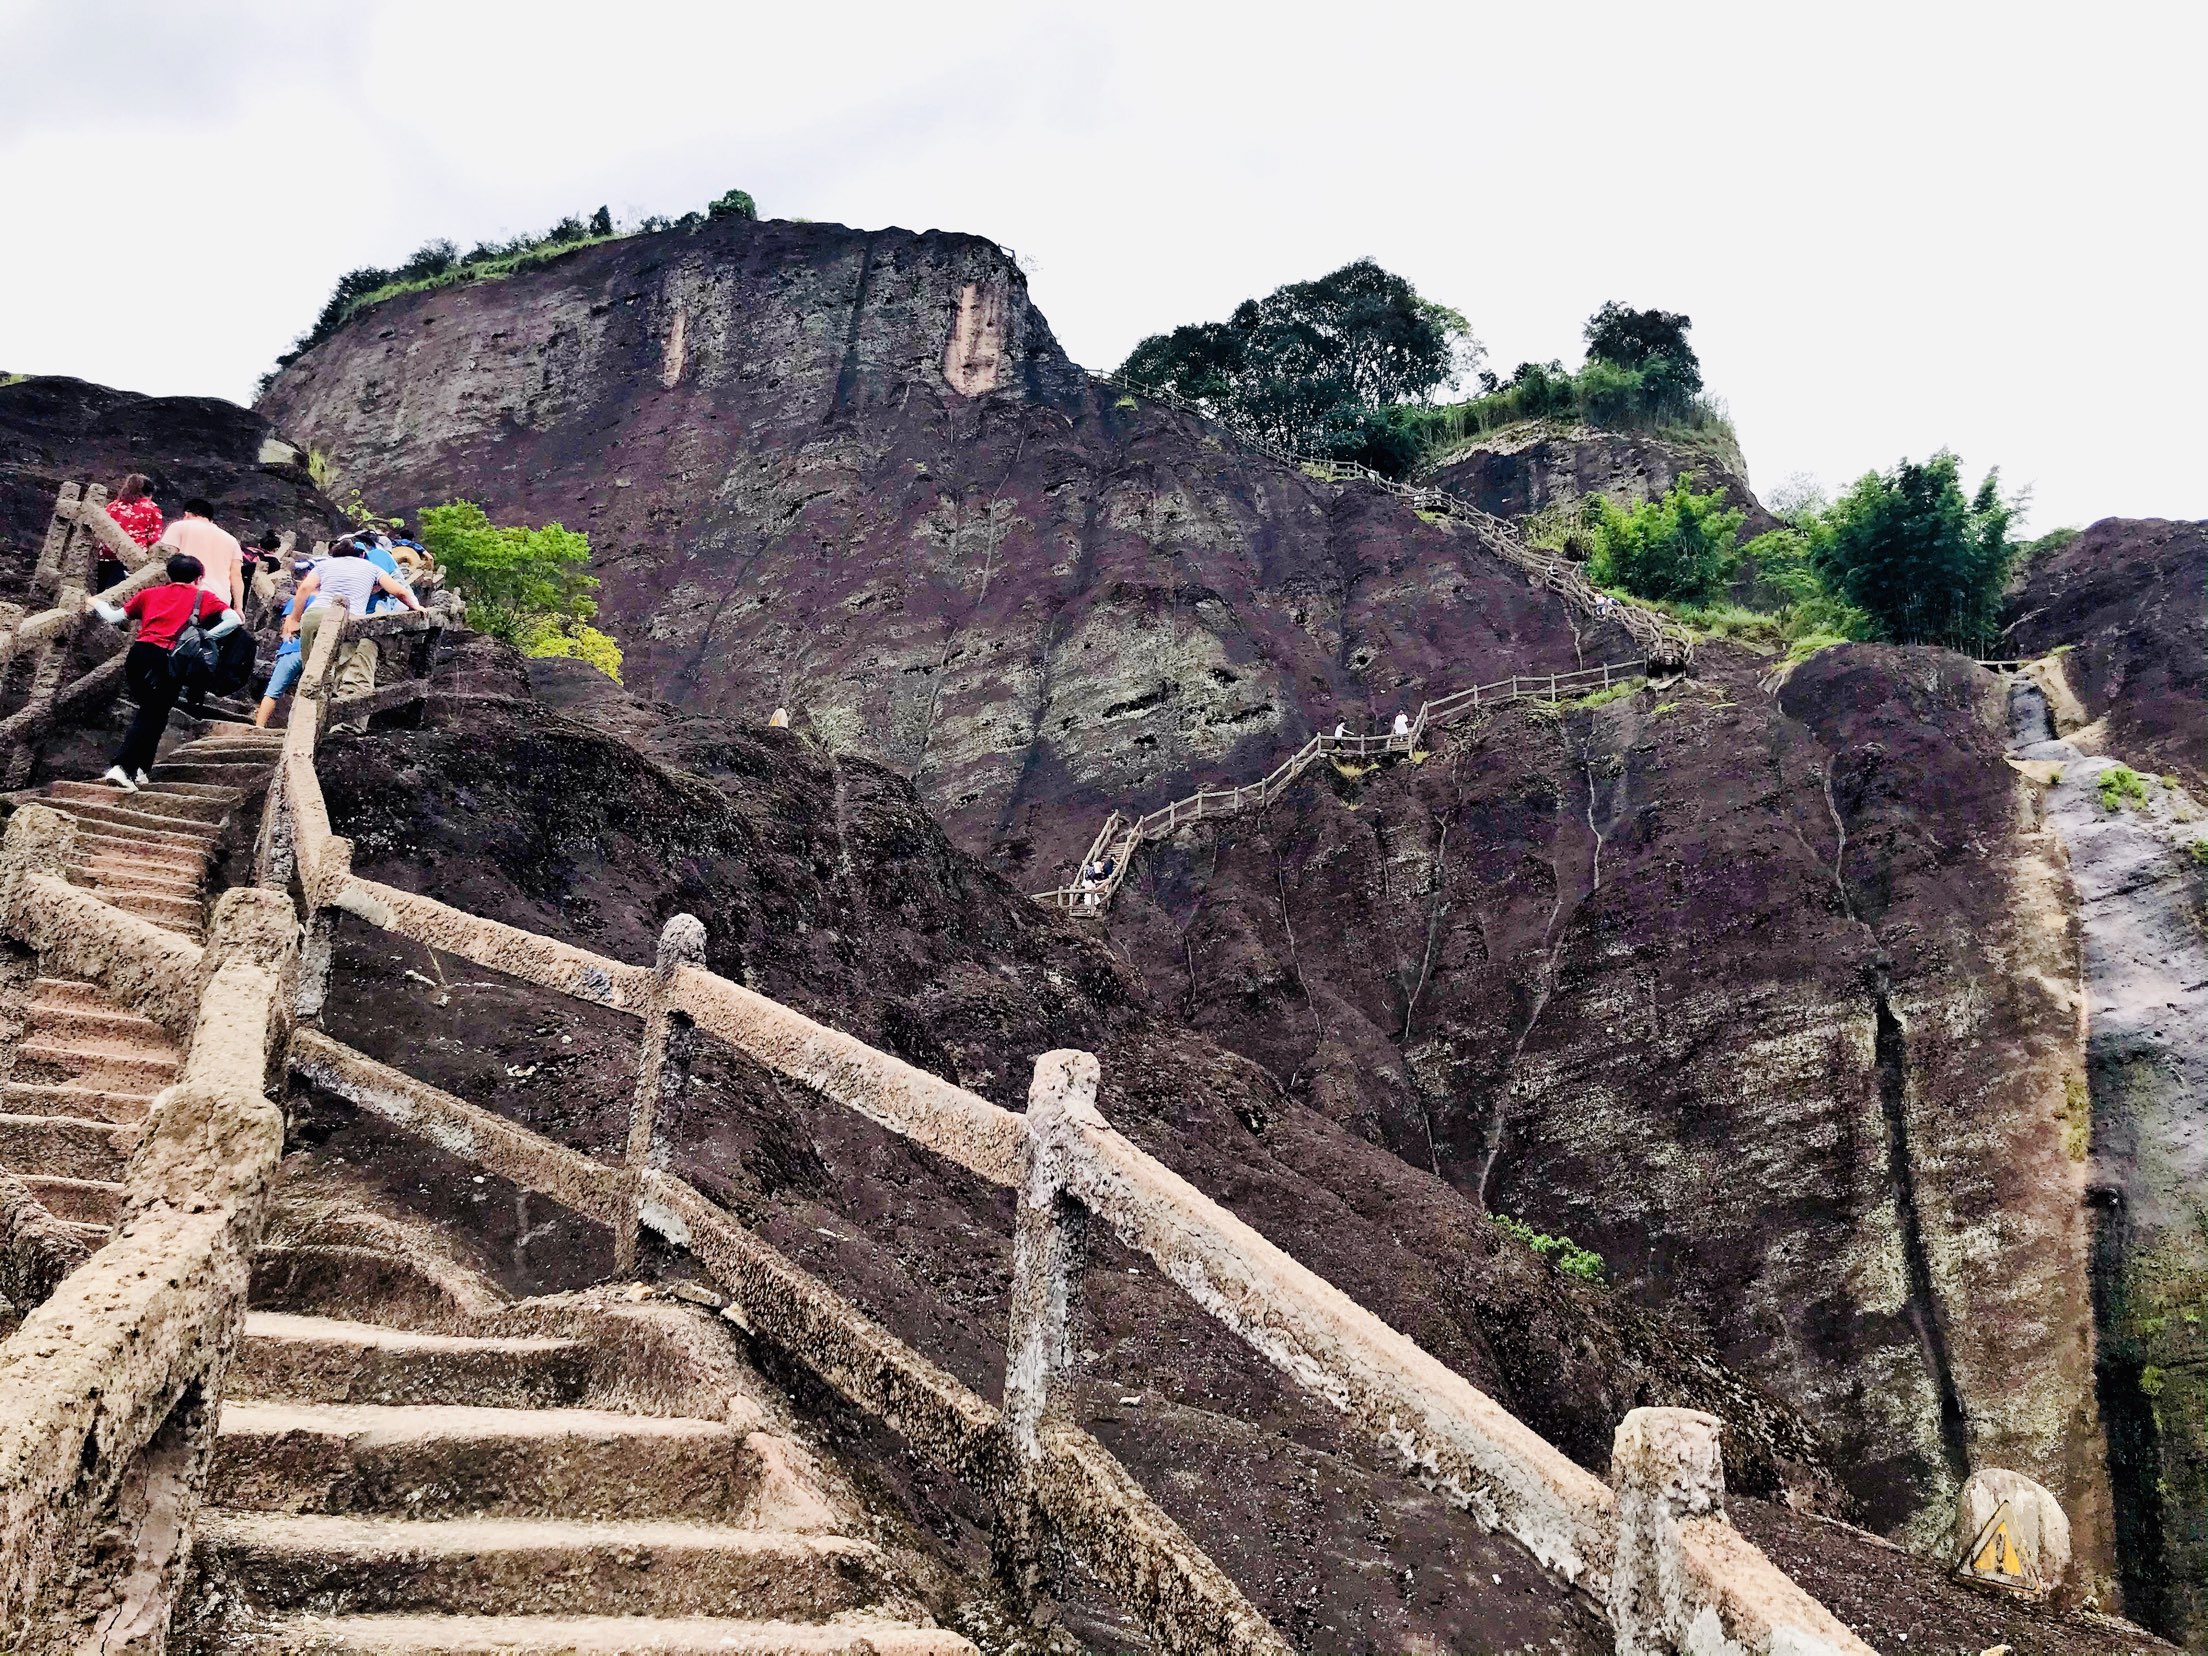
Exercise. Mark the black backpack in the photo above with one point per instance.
(214, 666)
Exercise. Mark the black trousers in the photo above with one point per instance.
(153, 688)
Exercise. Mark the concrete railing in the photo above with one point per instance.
(1122, 836)
(108, 1388)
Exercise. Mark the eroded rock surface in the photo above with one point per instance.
(852, 473)
(55, 430)
(1540, 464)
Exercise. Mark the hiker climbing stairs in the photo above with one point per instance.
(380, 1486)
(85, 1072)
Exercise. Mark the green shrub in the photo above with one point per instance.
(2121, 786)
(578, 641)
(1561, 1251)
(521, 585)
(2199, 850)
(1923, 561)
(1683, 547)
(735, 204)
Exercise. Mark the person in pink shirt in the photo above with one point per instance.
(221, 558)
(137, 516)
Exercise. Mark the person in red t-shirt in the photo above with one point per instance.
(162, 612)
(137, 516)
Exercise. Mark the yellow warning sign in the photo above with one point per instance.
(1996, 1558)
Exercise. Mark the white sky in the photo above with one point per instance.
(1897, 227)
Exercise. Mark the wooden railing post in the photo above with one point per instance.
(1047, 1246)
(662, 1070)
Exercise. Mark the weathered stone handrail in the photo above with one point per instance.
(1122, 836)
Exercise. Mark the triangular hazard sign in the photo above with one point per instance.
(1994, 1556)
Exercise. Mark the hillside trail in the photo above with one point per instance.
(84, 1072)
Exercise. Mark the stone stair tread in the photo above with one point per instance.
(172, 831)
(397, 1422)
(286, 1355)
(119, 847)
(61, 1147)
(84, 1201)
(291, 1325)
(60, 1098)
(71, 991)
(601, 1636)
(86, 1230)
(68, 1045)
(376, 1537)
(152, 799)
(279, 1561)
(95, 1020)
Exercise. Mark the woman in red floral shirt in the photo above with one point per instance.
(137, 516)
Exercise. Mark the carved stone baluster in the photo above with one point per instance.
(663, 1068)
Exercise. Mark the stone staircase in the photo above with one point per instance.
(85, 1071)
(387, 1488)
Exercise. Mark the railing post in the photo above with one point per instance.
(662, 1069)
(1666, 1467)
(59, 528)
(1047, 1246)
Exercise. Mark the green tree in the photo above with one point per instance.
(1315, 366)
(523, 586)
(1923, 560)
(1638, 338)
(735, 204)
(1683, 547)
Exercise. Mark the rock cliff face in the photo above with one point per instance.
(2130, 598)
(852, 473)
(55, 430)
(1766, 986)
(1527, 468)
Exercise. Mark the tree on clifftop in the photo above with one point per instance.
(1923, 560)
(1314, 366)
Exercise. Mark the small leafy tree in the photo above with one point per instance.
(735, 204)
(1923, 560)
(1683, 547)
(601, 222)
(526, 587)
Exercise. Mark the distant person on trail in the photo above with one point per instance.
(162, 613)
(138, 517)
(213, 547)
(1341, 729)
(343, 582)
(1402, 724)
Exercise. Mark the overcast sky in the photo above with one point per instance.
(1896, 227)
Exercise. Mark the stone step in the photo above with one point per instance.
(53, 991)
(289, 1358)
(119, 846)
(58, 1022)
(135, 1041)
(598, 1636)
(230, 773)
(426, 1461)
(153, 800)
(203, 790)
(142, 825)
(64, 1147)
(531, 1566)
(58, 1098)
(87, 1201)
(107, 876)
(91, 1234)
(87, 1066)
(231, 744)
(185, 914)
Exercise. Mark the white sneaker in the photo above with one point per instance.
(144, 780)
(120, 777)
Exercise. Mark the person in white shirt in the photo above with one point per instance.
(343, 583)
